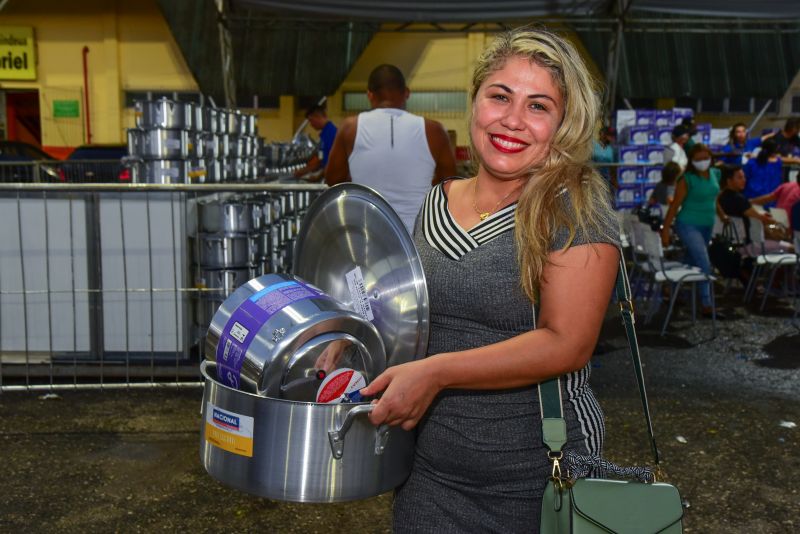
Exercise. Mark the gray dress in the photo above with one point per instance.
(480, 465)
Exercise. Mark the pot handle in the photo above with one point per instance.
(336, 437)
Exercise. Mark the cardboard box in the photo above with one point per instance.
(664, 118)
(654, 154)
(719, 136)
(645, 117)
(630, 154)
(652, 175)
(629, 196)
(664, 136)
(678, 114)
(629, 174)
(641, 135)
(703, 134)
(625, 119)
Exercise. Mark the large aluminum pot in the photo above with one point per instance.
(196, 147)
(298, 451)
(234, 169)
(135, 141)
(211, 119)
(236, 146)
(229, 217)
(214, 171)
(224, 251)
(162, 171)
(211, 144)
(197, 171)
(234, 122)
(162, 113)
(250, 124)
(198, 117)
(159, 143)
(271, 336)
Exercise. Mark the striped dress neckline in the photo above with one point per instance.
(443, 233)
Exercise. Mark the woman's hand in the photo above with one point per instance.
(408, 390)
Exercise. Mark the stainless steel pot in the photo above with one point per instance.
(250, 124)
(159, 143)
(224, 252)
(222, 121)
(296, 451)
(234, 122)
(211, 144)
(197, 171)
(236, 146)
(135, 141)
(213, 170)
(162, 113)
(198, 117)
(271, 332)
(196, 146)
(211, 120)
(163, 171)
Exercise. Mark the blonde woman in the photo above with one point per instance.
(533, 229)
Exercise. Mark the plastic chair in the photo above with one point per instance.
(676, 276)
(764, 261)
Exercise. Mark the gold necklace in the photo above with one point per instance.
(483, 215)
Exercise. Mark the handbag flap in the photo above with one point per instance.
(627, 507)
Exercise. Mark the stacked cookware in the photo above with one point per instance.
(223, 255)
(273, 242)
(241, 237)
(282, 159)
(184, 142)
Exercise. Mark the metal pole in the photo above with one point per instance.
(226, 52)
(614, 52)
(760, 114)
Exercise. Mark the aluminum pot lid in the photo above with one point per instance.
(353, 246)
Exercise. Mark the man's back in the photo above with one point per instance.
(391, 155)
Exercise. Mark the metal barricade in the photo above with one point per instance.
(113, 285)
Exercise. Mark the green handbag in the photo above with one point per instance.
(599, 505)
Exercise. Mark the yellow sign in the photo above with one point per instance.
(17, 53)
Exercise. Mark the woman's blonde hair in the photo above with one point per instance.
(567, 192)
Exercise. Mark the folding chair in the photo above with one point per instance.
(676, 276)
(764, 261)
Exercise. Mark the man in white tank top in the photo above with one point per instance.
(399, 154)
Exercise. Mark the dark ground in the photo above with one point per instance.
(128, 460)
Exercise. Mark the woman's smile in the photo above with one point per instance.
(509, 145)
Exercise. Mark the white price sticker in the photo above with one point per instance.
(358, 292)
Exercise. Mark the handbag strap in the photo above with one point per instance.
(554, 428)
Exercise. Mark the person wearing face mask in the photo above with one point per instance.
(693, 210)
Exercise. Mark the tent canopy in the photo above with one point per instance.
(670, 48)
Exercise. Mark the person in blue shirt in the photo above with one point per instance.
(739, 146)
(605, 151)
(318, 119)
(764, 172)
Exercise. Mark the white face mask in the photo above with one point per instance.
(702, 164)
